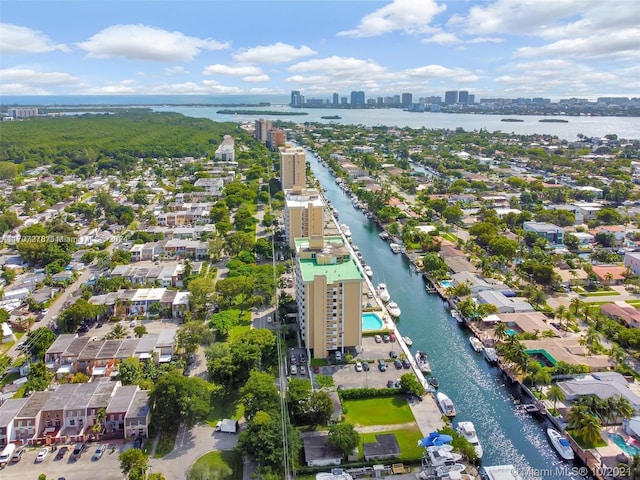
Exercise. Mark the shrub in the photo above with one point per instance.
(360, 393)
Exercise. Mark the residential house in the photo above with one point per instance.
(27, 422)
(116, 410)
(475, 282)
(550, 232)
(622, 312)
(319, 453)
(601, 384)
(632, 261)
(136, 420)
(212, 186)
(610, 274)
(504, 304)
(8, 410)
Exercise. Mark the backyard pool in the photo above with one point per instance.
(511, 332)
(445, 283)
(619, 441)
(371, 321)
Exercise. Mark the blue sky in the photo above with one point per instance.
(501, 48)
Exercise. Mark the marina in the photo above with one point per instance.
(479, 391)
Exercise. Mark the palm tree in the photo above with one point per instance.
(101, 415)
(623, 408)
(590, 430)
(608, 277)
(576, 416)
(591, 340)
(500, 332)
(560, 311)
(542, 377)
(617, 353)
(556, 394)
(576, 305)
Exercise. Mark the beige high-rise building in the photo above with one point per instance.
(293, 167)
(303, 215)
(262, 127)
(328, 294)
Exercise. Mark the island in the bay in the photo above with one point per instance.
(331, 117)
(228, 111)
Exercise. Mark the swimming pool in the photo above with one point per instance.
(619, 441)
(371, 321)
(511, 332)
(445, 283)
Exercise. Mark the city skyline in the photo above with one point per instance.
(501, 48)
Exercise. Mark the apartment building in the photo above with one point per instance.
(293, 167)
(225, 150)
(329, 295)
(303, 215)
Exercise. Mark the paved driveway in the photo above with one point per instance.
(191, 445)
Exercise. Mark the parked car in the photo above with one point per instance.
(338, 356)
(294, 370)
(316, 369)
(294, 360)
(386, 339)
(365, 366)
(78, 450)
(17, 455)
(191, 359)
(302, 370)
(398, 364)
(42, 454)
(391, 384)
(382, 365)
(61, 452)
(358, 366)
(393, 354)
(406, 363)
(99, 451)
(138, 443)
(378, 339)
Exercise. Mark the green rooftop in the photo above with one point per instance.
(344, 268)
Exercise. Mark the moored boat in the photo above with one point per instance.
(367, 270)
(446, 405)
(560, 443)
(433, 381)
(383, 293)
(395, 248)
(393, 309)
(407, 341)
(491, 355)
(476, 344)
(423, 362)
(384, 235)
(468, 431)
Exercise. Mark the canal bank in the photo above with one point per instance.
(478, 390)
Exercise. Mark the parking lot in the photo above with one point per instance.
(106, 468)
(347, 376)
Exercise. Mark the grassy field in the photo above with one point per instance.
(407, 440)
(243, 325)
(378, 411)
(449, 236)
(224, 407)
(600, 294)
(233, 460)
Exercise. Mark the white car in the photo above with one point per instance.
(358, 366)
(42, 454)
(294, 370)
(133, 324)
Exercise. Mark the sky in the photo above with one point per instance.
(494, 48)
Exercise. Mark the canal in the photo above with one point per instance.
(478, 390)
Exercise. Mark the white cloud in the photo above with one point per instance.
(271, 54)
(623, 43)
(232, 71)
(20, 40)
(33, 77)
(486, 40)
(142, 42)
(443, 38)
(440, 71)
(256, 78)
(340, 67)
(177, 70)
(408, 16)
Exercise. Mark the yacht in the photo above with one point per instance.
(468, 431)
(408, 342)
(384, 235)
(476, 344)
(560, 443)
(383, 293)
(393, 309)
(423, 362)
(500, 472)
(367, 270)
(491, 355)
(456, 314)
(395, 248)
(345, 229)
(446, 405)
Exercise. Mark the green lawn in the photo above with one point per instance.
(378, 411)
(583, 443)
(407, 440)
(243, 325)
(166, 443)
(449, 236)
(233, 460)
(600, 294)
(633, 303)
(224, 407)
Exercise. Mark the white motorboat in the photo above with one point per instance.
(367, 270)
(476, 344)
(423, 362)
(500, 472)
(446, 405)
(345, 229)
(456, 314)
(560, 443)
(383, 293)
(384, 235)
(491, 355)
(395, 248)
(393, 309)
(441, 455)
(445, 471)
(468, 431)
(407, 341)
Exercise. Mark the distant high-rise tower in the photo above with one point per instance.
(451, 97)
(296, 98)
(407, 99)
(336, 99)
(357, 97)
(293, 165)
(472, 100)
(262, 127)
(463, 97)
